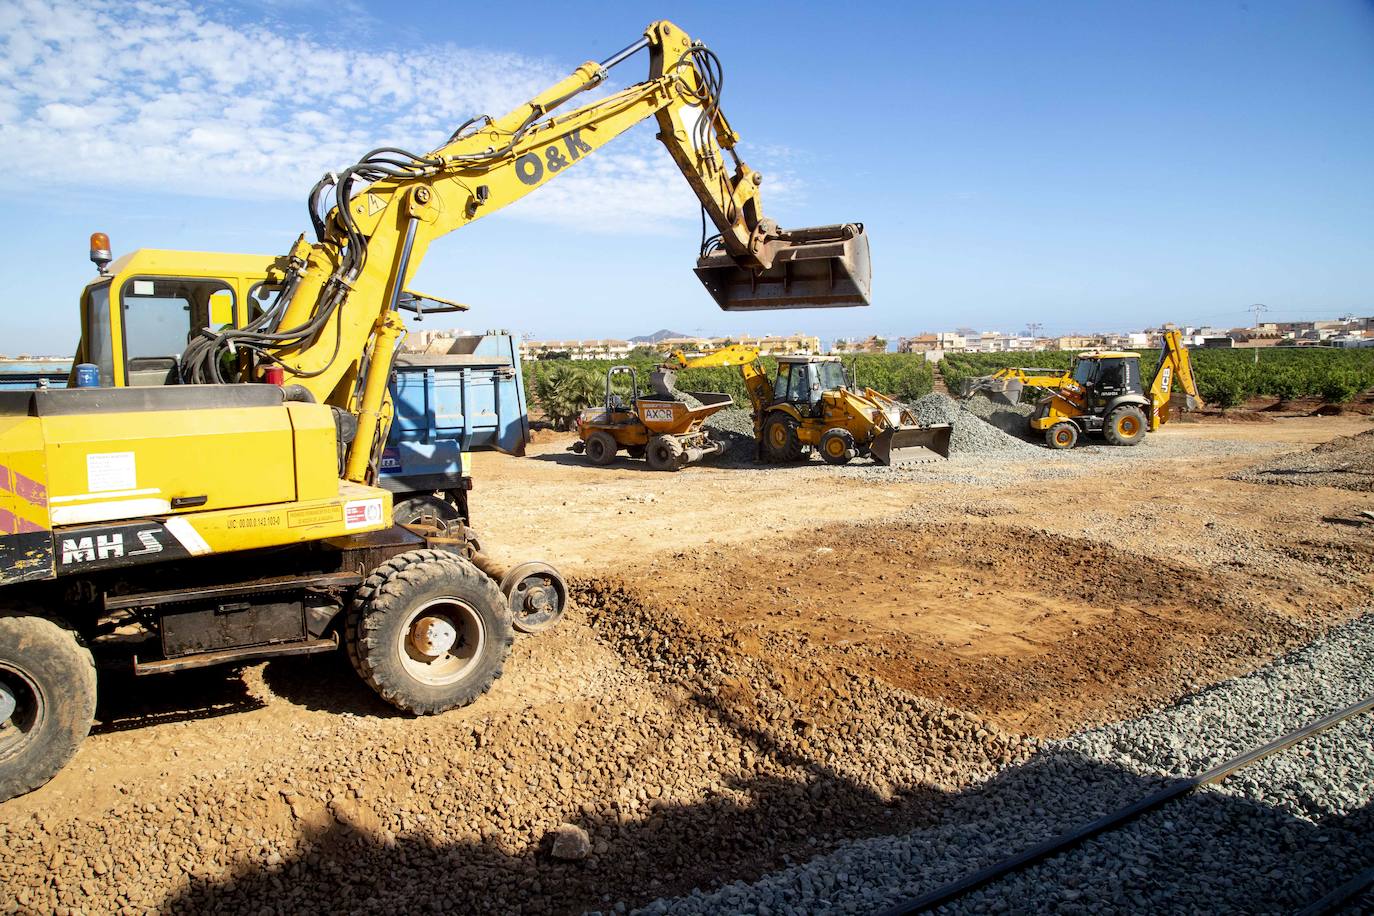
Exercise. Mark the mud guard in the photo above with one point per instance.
(911, 445)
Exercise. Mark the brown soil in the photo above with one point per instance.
(764, 662)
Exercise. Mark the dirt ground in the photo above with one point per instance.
(762, 663)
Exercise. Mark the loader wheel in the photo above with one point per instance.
(837, 446)
(47, 700)
(1062, 435)
(1125, 426)
(665, 453)
(601, 447)
(780, 441)
(428, 631)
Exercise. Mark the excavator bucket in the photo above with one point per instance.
(823, 267)
(911, 444)
(998, 390)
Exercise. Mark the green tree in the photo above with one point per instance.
(562, 390)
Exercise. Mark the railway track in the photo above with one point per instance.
(1329, 903)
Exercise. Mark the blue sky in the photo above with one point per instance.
(1082, 165)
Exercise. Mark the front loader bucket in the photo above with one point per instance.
(824, 267)
(911, 445)
(998, 390)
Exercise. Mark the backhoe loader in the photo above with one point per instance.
(205, 491)
(811, 403)
(1101, 393)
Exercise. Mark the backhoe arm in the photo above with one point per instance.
(1175, 365)
(755, 379)
(334, 328)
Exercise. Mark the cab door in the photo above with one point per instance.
(158, 316)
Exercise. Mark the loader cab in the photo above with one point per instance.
(1106, 376)
(801, 380)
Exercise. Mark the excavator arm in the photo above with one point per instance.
(1175, 365)
(755, 378)
(334, 326)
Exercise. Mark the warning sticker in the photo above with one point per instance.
(362, 513)
(107, 471)
(321, 515)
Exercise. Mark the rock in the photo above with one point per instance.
(570, 843)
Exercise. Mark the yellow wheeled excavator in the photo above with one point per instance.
(205, 490)
(812, 404)
(1101, 393)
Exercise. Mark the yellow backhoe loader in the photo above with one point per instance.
(191, 503)
(811, 403)
(1101, 393)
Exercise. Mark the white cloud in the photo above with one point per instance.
(163, 96)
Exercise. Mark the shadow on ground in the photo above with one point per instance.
(1249, 857)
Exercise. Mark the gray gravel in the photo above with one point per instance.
(1346, 462)
(733, 428)
(1275, 837)
(971, 432)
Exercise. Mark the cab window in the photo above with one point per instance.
(1084, 370)
(160, 314)
(780, 384)
(1112, 374)
(98, 346)
(799, 392)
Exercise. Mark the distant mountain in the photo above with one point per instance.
(656, 337)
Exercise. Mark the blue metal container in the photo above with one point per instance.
(469, 400)
(87, 375)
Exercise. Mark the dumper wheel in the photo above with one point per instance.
(1125, 426)
(47, 699)
(601, 447)
(635, 451)
(428, 631)
(837, 446)
(665, 453)
(780, 440)
(1062, 435)
(427, 511)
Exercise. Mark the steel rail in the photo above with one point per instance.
(1065, 841)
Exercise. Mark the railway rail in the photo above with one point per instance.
(1329, 903)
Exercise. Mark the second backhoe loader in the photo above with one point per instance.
(812, 404)
(205, 491)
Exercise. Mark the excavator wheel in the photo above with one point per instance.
(428, 631)
(601, 447)
(1062, 435)
(780, 440)
(837, 446)
(665, 453)
(1125, 426)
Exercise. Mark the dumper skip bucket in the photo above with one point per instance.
(911, 445)
(823, 267)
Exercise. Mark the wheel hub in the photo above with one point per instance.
(433, 636)
(8, 704)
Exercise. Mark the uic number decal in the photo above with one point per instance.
(530, 167)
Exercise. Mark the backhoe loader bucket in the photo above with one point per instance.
(998, 390)
(911, 445)
(823, 267)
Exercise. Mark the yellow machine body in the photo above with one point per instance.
(202, 469)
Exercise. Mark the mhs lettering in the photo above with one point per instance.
(106, 547)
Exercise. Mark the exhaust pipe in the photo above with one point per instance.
(821, 267)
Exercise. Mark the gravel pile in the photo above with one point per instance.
(664, 384)
(733, 428)
(1272, 839)
(1346, 462)
(971, 432)
(1010, 419)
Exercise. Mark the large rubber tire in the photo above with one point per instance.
(780, 440)
(636, 451)
(1062, 435)
(428, 510)
(44, 665)
(601, 448)
(837, 446)
(1125, 426)
(665, 453)
(382, 634)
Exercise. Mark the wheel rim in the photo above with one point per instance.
(835, 447)
(1062, 437)
(21, 695)
(441, 641)
(1127, 426)
(778, 436)
(535, 601)
(594, 450)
